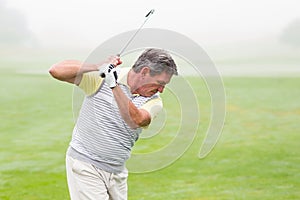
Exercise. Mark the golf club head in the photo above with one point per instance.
(150, 13)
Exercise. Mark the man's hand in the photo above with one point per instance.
(111, 76)
(104, 69)
(109, 72)
(112, 60)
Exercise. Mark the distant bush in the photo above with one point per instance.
(291, 34)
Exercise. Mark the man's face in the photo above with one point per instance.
(153, 84)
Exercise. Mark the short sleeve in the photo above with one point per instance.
(90, 82)
(153, 106)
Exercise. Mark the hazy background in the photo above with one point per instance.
(256, 36)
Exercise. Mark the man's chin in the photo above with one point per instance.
(147, 94)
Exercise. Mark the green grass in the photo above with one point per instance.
(36, 121)
(257, 156)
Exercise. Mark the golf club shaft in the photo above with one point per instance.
(133, 36)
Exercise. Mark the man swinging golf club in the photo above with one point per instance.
(112, 116)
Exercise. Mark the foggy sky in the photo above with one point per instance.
(90, 22)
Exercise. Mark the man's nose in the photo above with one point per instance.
(161, 89)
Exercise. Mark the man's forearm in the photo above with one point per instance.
(133, 116)
(71, 70)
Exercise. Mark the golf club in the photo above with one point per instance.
(133, 36)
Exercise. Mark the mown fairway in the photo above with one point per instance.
(257, 156)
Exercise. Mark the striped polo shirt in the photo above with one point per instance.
(101, 136)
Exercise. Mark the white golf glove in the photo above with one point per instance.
(104, 69)
(111, 78)
(110, 74)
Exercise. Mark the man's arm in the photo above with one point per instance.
(72, 70)
(133, 116)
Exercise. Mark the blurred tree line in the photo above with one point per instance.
(14, 30)
(291, 34)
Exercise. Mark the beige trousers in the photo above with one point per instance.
(87, 182)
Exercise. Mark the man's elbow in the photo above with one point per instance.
(143, 123)
(54, 72)
(144, 119)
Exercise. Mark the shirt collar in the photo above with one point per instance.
(122, 78)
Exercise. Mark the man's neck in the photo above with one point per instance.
(132, 80)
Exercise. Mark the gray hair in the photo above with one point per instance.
(157, 60)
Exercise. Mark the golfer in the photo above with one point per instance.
(114, 111)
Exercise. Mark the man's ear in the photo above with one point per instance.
(145, 70)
